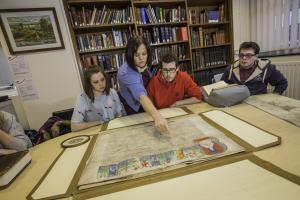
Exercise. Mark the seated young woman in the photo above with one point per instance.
(98, 103)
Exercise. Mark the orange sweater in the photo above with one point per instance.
(163, 94)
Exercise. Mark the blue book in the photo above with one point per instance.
(144, 21)
(213, 16)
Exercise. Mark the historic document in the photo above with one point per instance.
(143, 118)
(280, 106)
(128, 152)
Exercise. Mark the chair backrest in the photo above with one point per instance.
(64, 114)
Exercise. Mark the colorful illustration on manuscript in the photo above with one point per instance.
(211, 145)
(202, 146)
(135, 151)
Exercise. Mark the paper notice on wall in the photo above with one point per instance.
(23, 78)
(18, 65)
(26, 88)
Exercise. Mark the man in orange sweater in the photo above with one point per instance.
(172, 87)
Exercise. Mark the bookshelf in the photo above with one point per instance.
(211, 33)
(198, 32)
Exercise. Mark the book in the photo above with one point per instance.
(208, 88)
(11, 165)
(213, 16)
(182, 34)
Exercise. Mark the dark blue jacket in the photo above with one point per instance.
(265, 73)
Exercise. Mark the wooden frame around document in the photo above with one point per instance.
(70, 188)
(40, 30)
(236, 138)
(160, 176)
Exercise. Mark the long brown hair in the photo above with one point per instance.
(88, 89)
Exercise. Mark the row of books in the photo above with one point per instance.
(209, 57)
(103, 40)
(207, 77)
(109, 62)
(203, 15)
(146, 15)
(81, 16)
(179, 50)
(206, 37)
(183, 66)
(156, 35)
(201, 58)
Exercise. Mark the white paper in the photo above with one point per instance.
(60, 176)
(26, 88)
(18, 65)
(143, 118)
(250, 134)
(23, 78)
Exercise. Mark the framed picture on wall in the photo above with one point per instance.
(31, 30)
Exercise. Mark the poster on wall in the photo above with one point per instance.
(23, 78)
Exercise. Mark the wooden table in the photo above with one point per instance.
(285, 156)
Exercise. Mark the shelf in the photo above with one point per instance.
(169, 43)
(225, 51)
(72, 2)
(158, 2)
(211, 46)
(111, 71)
(163, 24)
(209, 24)
(204, 3)
(102, 50)
(212, 67)
(182, 60)
(102, 26)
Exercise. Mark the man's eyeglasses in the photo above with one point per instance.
(247, 55)
(171, 70)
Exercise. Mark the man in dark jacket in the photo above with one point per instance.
(253, 72)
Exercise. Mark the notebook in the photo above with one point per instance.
(11, 165)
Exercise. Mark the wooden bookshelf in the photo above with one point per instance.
(210, 24)
(102, 50)
(168, 43)
(102, 26)
(211, 33)
(213, 67)
(163, 24)
(167, 24)
(158, 2)
(211, 46)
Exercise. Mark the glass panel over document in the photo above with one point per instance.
(138, 150)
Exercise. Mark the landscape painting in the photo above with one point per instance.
(31, 30)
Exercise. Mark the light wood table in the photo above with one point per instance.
(285, 155)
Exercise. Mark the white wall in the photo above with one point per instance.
(55, 73)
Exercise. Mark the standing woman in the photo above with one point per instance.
(98, 104)
(133, 78)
